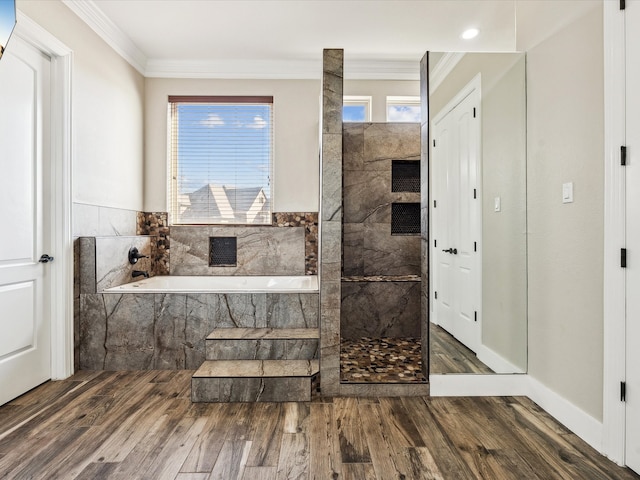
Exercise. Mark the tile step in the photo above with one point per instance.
(264, 333)
(254, 381)
(257, 368)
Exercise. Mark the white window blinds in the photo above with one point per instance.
(221, 159)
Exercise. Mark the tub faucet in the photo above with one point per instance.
(139, 273)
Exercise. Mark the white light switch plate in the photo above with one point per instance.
(567, 192)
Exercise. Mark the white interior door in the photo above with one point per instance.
(632, 453)
(455, 163)
(25, 337)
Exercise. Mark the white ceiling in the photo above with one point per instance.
(286, 37)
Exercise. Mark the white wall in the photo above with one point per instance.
(296, 116)
(107, 112)
(565, 144)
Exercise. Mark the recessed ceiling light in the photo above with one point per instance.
(470, 33)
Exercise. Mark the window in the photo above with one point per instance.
(356, 108)
(221, 152)
(403, 109)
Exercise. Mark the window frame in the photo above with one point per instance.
(355, 101)
(172, 152)
(401, 100)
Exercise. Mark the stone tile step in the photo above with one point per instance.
(266, 333)
(254, 381)
(257, 368)
(262, 344)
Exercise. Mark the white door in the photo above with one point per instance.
(25, 343)
(632, 454)
(457, 217)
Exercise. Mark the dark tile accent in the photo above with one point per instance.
(223, 251)
(405, 219)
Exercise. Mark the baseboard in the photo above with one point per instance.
(496, 362)
(477, 385)
(578, 421)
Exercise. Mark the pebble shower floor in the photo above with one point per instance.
(381, 360)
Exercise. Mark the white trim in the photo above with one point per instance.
(234, 69)
(496, 362)
(478, 385)
(95, 18)
(279, 69)
(613, 435)
(572, 417)
(62, 246)
(474, 385)
(443, 68)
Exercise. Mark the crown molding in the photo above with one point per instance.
(230, 69)
(443, 68)
(89, 12)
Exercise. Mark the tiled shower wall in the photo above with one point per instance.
(380, 285)
(331, 242)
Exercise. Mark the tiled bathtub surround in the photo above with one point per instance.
(168, 331)
(156, 224)
(309, 221)
(98, 221)
(104, 261)
(261, 250)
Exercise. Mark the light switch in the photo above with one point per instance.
(497, 206)
(567, 192)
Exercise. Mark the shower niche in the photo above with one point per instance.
(380, 325)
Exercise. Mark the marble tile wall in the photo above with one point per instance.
(168, 331)
(369, 247)
(331, 220)
(104, 261)
(97, 221)
(380, 309)
(261, 250)
(424, 205)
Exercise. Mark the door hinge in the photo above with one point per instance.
(623, 4)
(474, 193)
(475, 246)
(435, 204)
(434, 142)
(436, 295)
(623, 155)
(474, 112)
(435, 243)
(623, 257)
(475, 316)
(623, 391)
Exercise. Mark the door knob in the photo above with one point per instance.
(448, 250)
(454, 251)
(45, 259)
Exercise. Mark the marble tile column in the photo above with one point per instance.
(424, 208)
(331, 220)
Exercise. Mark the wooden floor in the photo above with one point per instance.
(448, 355)
(130, 425)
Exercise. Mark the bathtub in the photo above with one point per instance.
(220, 284)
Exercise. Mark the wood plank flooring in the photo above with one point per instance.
(142, 425)
(448, 355)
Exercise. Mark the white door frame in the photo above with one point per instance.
(613, 425)
(61, 305)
